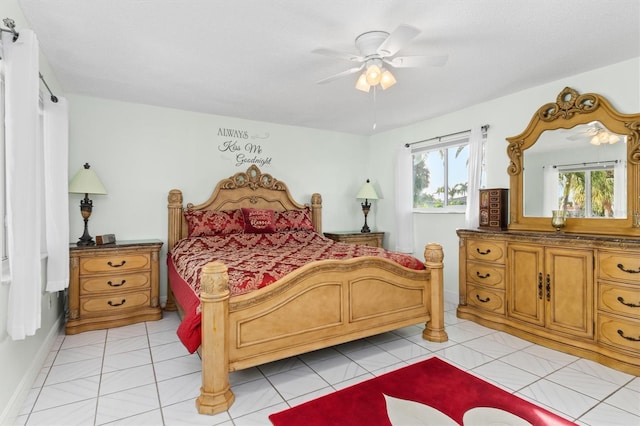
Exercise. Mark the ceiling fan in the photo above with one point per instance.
(377, 49)
(596, 134)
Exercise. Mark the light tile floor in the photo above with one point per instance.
(142, 375)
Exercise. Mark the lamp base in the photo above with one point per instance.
(86, 239)
(365, 211)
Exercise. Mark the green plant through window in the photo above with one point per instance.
(587, 193)
(440, 177)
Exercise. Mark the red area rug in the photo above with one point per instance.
(429, 392)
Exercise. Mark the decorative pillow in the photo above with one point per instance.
(258, 221)
(210, 222)
(294, 220)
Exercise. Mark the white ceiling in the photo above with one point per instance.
(253, 58)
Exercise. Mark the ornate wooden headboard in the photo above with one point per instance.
(245, 189)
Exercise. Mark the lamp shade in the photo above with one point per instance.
(387, 80)
(367, 192)
(86, 181)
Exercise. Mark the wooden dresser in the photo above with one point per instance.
(113, 285)
(576, 293)
(371, 239)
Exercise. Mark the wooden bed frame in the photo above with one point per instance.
(319, 305)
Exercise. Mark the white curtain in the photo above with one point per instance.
(550, 196)
(620, 189)
(56, 141)
(404, 200)
(475, 178)
(22, 192)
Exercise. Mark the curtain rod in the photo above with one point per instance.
(589, 163)
(484, 129)
(11, 24)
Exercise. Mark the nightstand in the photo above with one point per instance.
(371, 239)
(113, 285)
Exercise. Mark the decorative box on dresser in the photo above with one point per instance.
(113, 285)
(371, 239)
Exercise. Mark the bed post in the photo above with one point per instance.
(316, 212)
(174, 234)
(215, 393)
(434, 330)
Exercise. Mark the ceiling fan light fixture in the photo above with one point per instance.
(362, 84)
(373, 75)
(387, 79)
(595, 140)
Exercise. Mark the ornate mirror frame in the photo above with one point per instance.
(569, 110)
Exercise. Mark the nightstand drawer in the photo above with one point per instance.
(114, 283)
(113, 304)
(371, 239)
(114, 263)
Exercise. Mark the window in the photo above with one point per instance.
(440, 174)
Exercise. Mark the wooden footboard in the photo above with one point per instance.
(322, 304)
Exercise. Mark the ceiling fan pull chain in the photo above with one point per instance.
(375, 117)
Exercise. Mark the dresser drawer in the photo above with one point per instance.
(115, 263)
(114, 283)
(487, 299)
(488, 251)
(619, 332)
(619, 299)
(99, 305)
(485, 274)
(619, 266)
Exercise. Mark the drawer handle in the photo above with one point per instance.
(116, 304)
(483, 301)
(483, 253)
(482, 276)
(116, 266)
(116, 284)
(631, 305)
(633, 339)
(628, 271)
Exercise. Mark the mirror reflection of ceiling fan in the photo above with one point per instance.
(596, 133)
(377, 50)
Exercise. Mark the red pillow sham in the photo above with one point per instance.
(203, 223)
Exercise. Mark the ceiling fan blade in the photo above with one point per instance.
(417, 61)
(397, 40)
(340, 74)
(338, 54)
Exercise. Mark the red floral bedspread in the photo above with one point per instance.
(255, 261)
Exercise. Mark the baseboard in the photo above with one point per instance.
(12, 410)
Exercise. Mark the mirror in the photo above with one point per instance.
(582, 171)
(581, 156)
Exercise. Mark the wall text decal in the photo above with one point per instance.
(235, 142)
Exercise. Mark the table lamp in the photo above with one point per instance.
(86, 182)
(366, 193)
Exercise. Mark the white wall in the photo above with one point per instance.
(507, 116)
(141, 152)
(20, 361)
